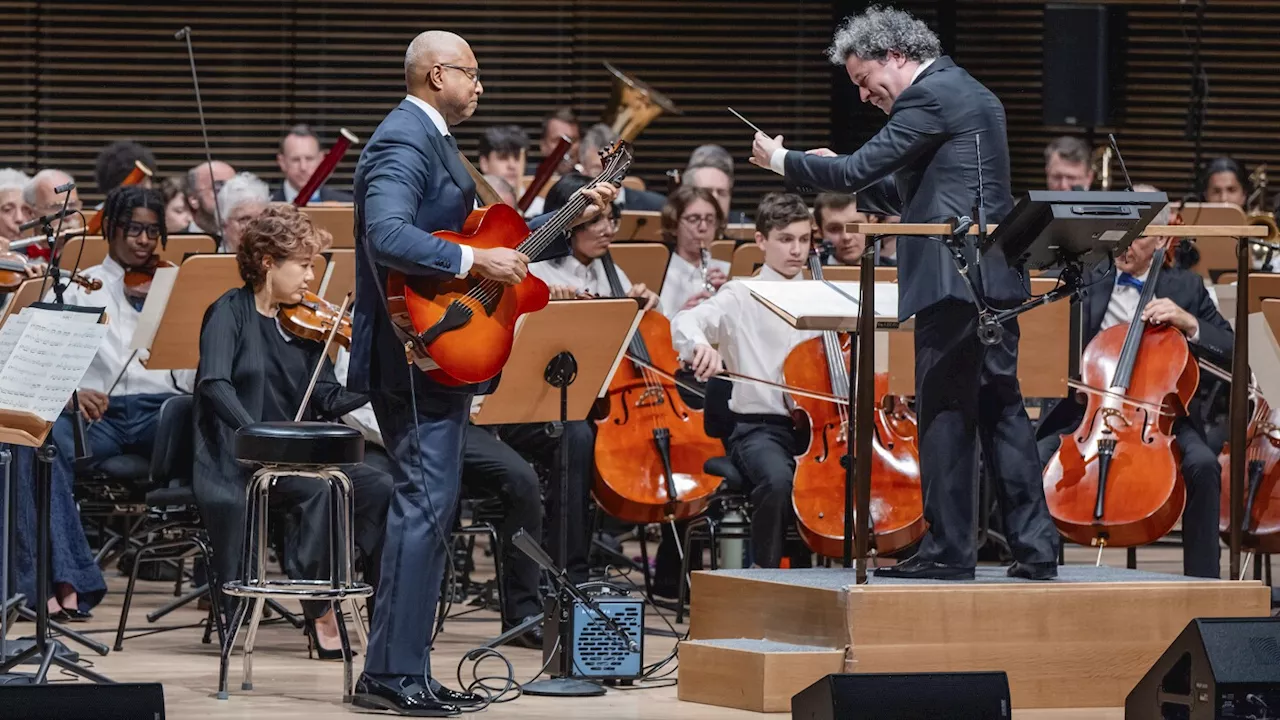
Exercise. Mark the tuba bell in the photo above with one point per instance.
(634, 105)
(1101, 166)
(1262, 255)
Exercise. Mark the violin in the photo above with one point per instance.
(818, 494)
(137, 278)
(651, 446)
(314, 319)
(14, 269)
(1115, 480)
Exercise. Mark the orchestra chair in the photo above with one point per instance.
(173, 521)
(312, 450)
(483, 513)
(111, 493)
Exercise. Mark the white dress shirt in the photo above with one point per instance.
(683, 281)
(468, 256)
(778, 160)
(1124, 303)
(122, 319)
(572, 273)
(750, 337)
(291, 193)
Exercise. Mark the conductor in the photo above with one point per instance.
(923, 165)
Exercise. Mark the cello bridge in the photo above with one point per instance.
(1109, 414)
(650, 397)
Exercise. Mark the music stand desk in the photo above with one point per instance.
(524, 396)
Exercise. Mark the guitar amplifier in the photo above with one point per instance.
(579, 644)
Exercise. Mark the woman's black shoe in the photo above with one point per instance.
(315, 649)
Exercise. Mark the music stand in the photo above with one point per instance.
(554, 377)
(33, 347)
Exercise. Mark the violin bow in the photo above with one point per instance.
(324, 352)
(746, 379)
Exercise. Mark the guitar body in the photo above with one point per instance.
(464, 326)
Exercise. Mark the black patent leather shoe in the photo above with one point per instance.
(400, 695)
(917, 569)
(1033, 571)
(531, 638)
(453, 697)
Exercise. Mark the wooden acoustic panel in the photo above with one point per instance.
(78, 75)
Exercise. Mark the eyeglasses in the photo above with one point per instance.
(472, 73)
(135, 229)
(698, 220)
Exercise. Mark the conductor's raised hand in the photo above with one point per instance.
(762, 149)
(501, 264)
(601, 197)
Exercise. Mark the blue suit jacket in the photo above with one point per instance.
(408, 183)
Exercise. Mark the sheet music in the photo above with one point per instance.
(46, 360)
(1264, 355)
(144, 333)
(814, 300)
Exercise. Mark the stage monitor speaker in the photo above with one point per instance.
(1219, 668)
(905, 696)
(1084, 55)
(82, 701)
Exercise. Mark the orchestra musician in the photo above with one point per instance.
(12, 209)
(251, 370)
(711, 167)
(203, 185)
(1225, 181)
(409, 182)
(119, 397)
(597, 138)
(732, 330)
(298, 159)
(1068, 164)
(966, 392)
(117, 160)
(501, 149)
(177, 213)
(240, 200)
(691, 220)
(832, 212)
(1110, 297)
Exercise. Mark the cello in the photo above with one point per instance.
(1115, 480)
(1261, 531)
(651, 446)
(897, 503)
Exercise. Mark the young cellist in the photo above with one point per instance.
(732, 330)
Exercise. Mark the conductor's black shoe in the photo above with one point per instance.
(453, 697)
(401, 695)
(1033, 571)
(531, 638)
(917, 569)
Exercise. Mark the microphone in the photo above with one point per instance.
(45, 220)
(64, 188)
(183, 34)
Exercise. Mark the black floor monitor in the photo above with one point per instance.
(1047, 229)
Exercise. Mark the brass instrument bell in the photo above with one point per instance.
(634, 105)
(1262, 255)
(1102, 166)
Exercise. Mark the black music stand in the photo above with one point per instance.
(1052, 230)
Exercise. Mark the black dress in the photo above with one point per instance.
(250, 371)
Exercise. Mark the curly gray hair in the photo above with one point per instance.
(875, 33)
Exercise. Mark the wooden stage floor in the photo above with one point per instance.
(288, 685)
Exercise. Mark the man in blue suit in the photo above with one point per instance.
(410, 181)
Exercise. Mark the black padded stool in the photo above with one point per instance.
(303, 449)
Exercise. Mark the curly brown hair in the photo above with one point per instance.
(282, 231)
(679, 201)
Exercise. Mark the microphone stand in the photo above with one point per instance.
(185, 34)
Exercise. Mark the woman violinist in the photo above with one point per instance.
(252, 371)
(1181, 301)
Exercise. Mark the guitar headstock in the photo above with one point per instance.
(616, 160)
